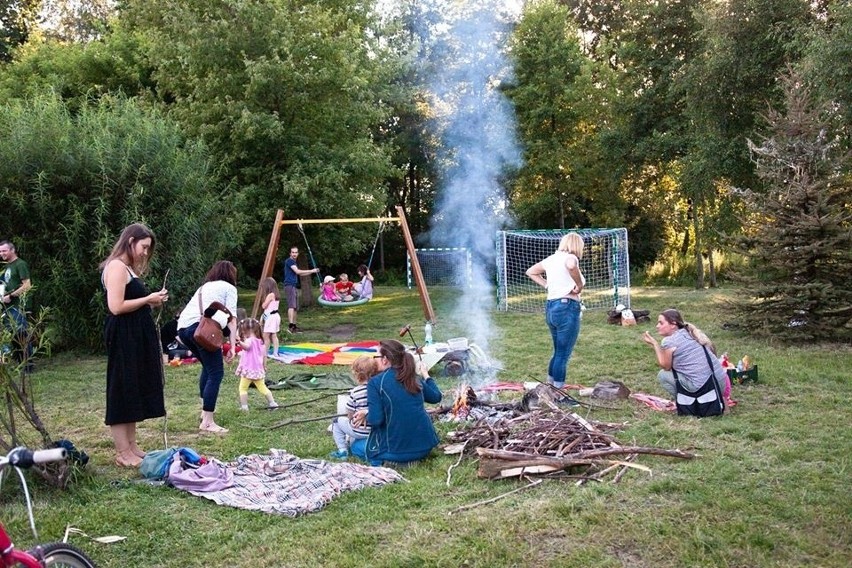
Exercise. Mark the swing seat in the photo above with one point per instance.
(328, 304)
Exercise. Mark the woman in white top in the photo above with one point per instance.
(219, 286)
(560, 275)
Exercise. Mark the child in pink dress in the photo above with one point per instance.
(328, 292)
(252, 367)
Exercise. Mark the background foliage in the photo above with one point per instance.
(72, 182)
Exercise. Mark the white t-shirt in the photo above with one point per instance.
(216, 291)
(559, 281)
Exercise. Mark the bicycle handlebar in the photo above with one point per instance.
(25, 458)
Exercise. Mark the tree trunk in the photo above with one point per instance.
(711, 266)
(699, 260)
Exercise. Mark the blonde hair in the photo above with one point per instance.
(363, 368)
(573, 243)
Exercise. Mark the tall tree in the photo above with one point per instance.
(18, 18)
(560, 109)
(285, 94)
(745, 45)
(801, 244)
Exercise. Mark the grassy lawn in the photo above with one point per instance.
(771, 486)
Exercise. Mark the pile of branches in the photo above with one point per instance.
(549, 441)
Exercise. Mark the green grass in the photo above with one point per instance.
(771, 486)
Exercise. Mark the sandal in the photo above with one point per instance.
(213, 429)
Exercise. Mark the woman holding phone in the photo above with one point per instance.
(134, 385)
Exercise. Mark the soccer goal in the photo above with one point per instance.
(605, 264)
(443, 267)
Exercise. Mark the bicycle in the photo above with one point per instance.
(53, 555)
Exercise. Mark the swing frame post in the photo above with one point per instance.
(275, 237)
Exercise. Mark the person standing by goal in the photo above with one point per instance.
(560, 275)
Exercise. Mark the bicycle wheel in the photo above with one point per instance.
(62, 555)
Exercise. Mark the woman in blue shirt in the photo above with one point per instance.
(400, 429)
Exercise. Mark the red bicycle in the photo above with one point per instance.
(53, 555)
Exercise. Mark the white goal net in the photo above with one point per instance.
(605, 264)
(442, 267)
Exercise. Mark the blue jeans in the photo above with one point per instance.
(15, 320)
(563, 319)
(212, 369)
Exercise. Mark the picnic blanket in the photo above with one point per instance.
(283, 484)
(325, 353)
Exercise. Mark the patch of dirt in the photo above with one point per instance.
(343, 332)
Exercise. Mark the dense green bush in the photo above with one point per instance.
(71, 181)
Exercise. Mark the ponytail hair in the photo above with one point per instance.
(674, 317)
(402, 362)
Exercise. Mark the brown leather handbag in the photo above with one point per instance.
(208, 335)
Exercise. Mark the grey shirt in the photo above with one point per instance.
(689, 361)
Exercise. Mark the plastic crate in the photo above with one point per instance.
(741, 377)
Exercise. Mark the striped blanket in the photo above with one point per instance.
(325, 353)
(281, 483)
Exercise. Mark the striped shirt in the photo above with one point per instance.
(357, 401)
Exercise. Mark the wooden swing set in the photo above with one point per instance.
(275, 237)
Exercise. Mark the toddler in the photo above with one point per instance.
(344, 287)
(362, 369)
(328, 292)
(252, 367)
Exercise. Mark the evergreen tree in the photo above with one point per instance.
(800, 242)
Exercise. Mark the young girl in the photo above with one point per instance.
(328, 292)
(252, 367)
(362, 369)
(272, 320)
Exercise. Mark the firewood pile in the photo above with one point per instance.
(547, 440)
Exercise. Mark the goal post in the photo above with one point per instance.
(443, 267)
(605, 264)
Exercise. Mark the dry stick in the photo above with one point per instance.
(450, 469)
(487, 501)
(624, 468)
(305, 401)
(288, 422)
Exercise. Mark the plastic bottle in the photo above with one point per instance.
(427, 333)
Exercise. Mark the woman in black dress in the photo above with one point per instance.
(134, 386)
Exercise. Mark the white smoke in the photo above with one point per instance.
(476, 126)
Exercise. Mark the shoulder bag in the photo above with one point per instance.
(208, 335)
(706, 401)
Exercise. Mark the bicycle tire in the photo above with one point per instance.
(61, 555)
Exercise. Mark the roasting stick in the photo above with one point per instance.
(493, 499)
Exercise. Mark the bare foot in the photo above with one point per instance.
(127, 459)
(137, 452)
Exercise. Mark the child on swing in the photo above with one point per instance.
(271, 317)
(252, 367)
(342, 427)
(343, 287)
(329, 294)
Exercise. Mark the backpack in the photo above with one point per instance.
(706, 401)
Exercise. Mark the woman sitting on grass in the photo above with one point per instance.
(401, 430)
(682, 348)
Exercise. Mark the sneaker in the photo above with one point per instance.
(339, 455)
(244, 407)
(291, 328)
(273, 404)
(296, 329)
